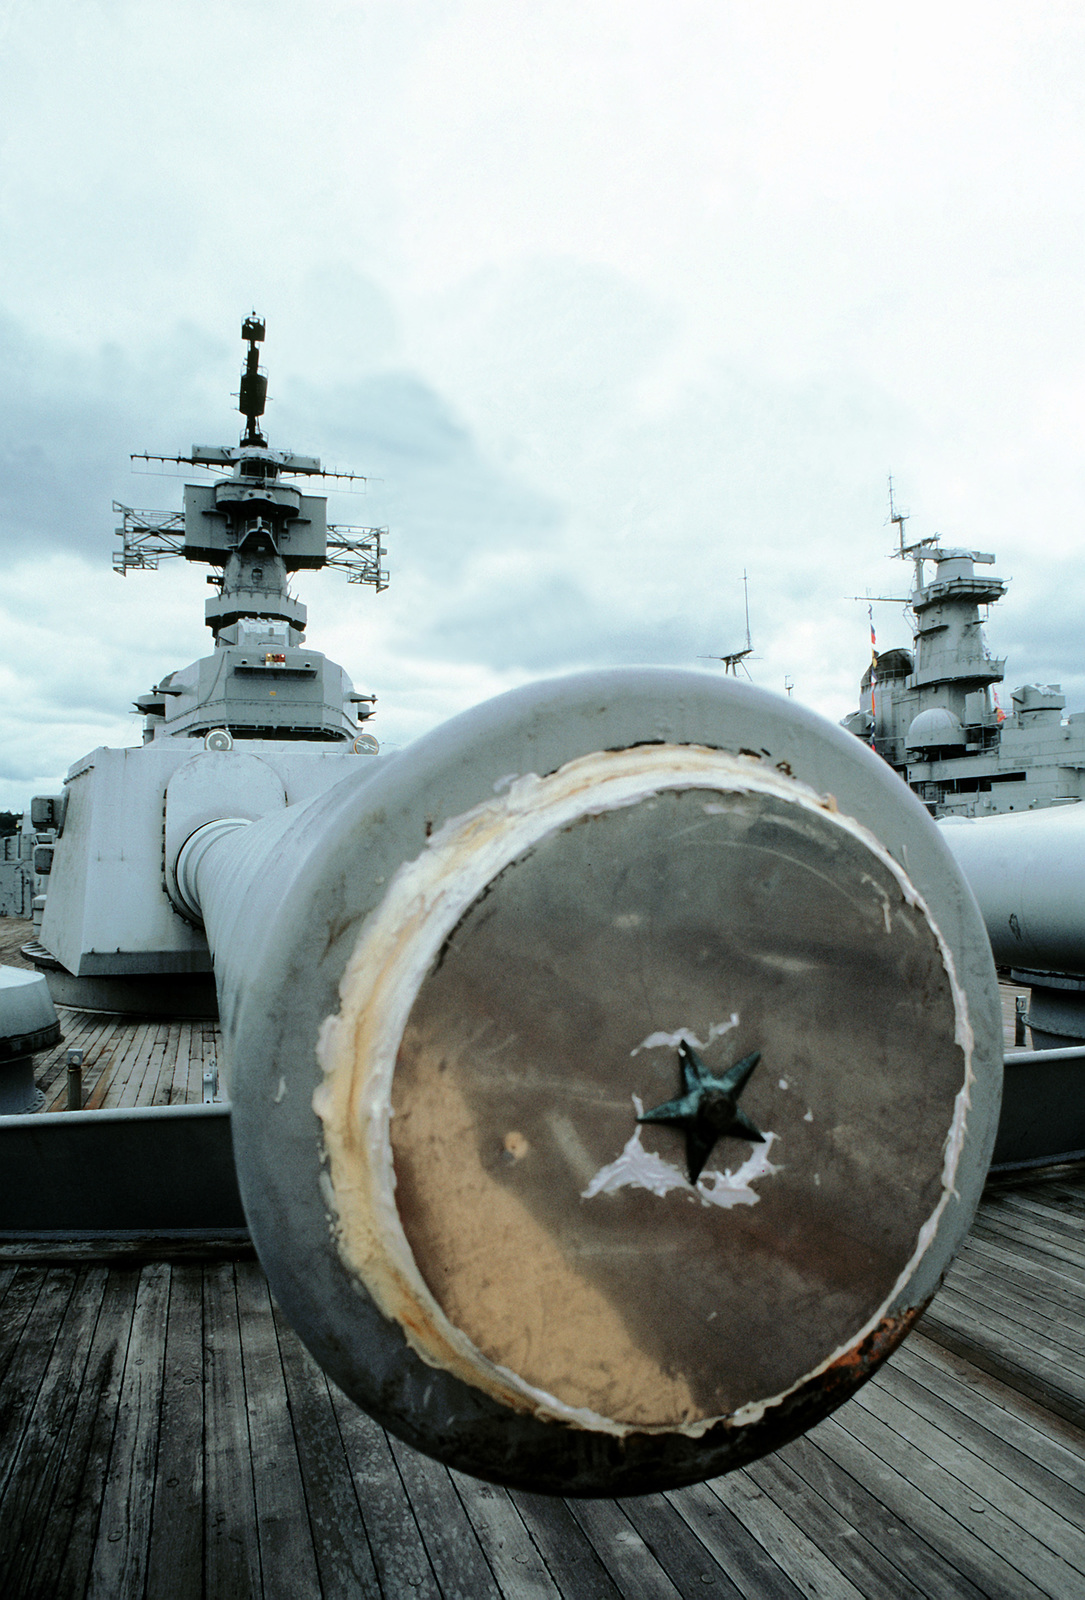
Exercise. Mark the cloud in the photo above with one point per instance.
(609, 311)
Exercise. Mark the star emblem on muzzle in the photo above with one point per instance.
(708, 1109)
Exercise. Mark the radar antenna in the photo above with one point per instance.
(737, 658)
(253, 508)
(898, 518)
(924, 550)
(253, 394)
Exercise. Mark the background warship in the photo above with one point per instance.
(932, 711)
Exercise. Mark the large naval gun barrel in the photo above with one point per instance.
(1027, 871)
(614, 1073)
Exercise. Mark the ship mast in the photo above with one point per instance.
(737, 658)
(254, 528)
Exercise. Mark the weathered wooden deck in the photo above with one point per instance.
(163, 1433)
(125, 1062)
(136, 1063)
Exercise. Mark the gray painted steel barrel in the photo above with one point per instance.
(451, 989)
(1027, 872)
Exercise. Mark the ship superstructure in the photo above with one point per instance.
(932, 712)
(258, 724)
(255, 528)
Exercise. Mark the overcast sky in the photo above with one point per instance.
(610, 300)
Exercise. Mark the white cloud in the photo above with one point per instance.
(613, 301)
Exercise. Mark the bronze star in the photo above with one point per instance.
(708, 1110)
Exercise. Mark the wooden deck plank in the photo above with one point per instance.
(139, 1090)
(994, 1249)
(1034, 1238)
(1049, 1440)
(453, 1544)
(343, 1556)
(127, 1080)
(997, 1328)
(515, 1562)
(164, 1082)
(37, 1464)
(398, 1549)
(231, 1543)
(623, 1550)
(92, 1038)
(114, 1076)
(1029, 1519)
(1003, 1212)
(119, 1562)
(1061, 1191)
(1056, 1218)
(175, 1553)
(1015, 1312)
(987, 1573)
(1053, 1328)
(64, 1558)
(809, 1569)
(731, 1545)
(1030, 1203)
(830, 1532)
(899, 1542)
(1013, 1374)
(1060, 1388)
(74, 1027)
(115, 1043)
(569, 1557)
(128, 1061)
(670, 1539)
(49, 1065)
(167, 1036)
(1017, 1282)
(959, 1522)
(282, 1519)
(126, 1064)
(997, 1435)
(98, 1045)
(30, 1360)
(20, 1296)
(178, 1092)
(132, 1067)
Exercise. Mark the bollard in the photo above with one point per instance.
(74, 1059)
